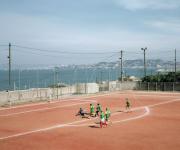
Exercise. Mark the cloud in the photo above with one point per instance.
(47, 33)
(168, 26)
(151, 4)
(38, 31)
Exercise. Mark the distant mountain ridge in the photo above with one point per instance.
(136, 63)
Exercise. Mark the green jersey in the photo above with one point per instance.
(107, 113)
(92, 108)
(102, 115)
(99, 108)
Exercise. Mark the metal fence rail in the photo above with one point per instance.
(158, 86)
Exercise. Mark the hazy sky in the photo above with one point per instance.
(88, 26)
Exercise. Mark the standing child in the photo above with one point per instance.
(92, 112)
(107, 114)
(98, 109)
(102, 119)
(128, 105)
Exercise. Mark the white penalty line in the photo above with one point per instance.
(41, 130)
(64, 100)
(57, 101)
(47, 108)
(147, 112)
(71, 124)
(81, 121)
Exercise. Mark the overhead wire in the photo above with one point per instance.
(63, 52)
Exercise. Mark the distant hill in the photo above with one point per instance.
(137, 63)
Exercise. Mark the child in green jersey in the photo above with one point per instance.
(107, 114)
(92, 112)
(98, 109)
(102, 119)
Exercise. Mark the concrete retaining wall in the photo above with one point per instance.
(128, 85)
(87, 88)
(14, 97)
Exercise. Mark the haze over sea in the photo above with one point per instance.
(25, 79)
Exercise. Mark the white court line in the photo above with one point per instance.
(72, 123)
(147, 112)
(138, 94)
(86, 97)
(47, 108)
(162, 103)
(57, 101)
(54, 127)
(40, 130)
(157, 92)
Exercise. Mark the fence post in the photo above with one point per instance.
(85, 87)
(8, 98)
(156, 86)
(40, 94)
(173, 86)
(70, 92)
(37, 94)
(148, 86)
(61, 91)
(57, 92)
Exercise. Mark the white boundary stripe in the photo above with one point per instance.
(54, 127)
(57, 101)
(47, 108)
(147, 112)
(157, 92)
(41, 130)
(162, 103)
(141, 95)
(86, 97)
(71, 123)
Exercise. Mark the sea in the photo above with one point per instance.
(43, 78)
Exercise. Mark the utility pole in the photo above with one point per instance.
(175, 67)
(19, 80)
(37, 78)
(121, 58)
(57, 82)
(9, 57)
(144, 49)
(56, 69)
(101, 76)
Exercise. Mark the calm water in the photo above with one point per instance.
(24, 79)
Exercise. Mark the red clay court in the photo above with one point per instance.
(152, 124)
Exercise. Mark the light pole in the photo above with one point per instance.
(9, 57)
(144, 49)
(121, 59)
(175, 66)
(56, 69)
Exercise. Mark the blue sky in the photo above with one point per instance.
(89, 26)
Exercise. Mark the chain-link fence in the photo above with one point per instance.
(46, 94)
(158, 86)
